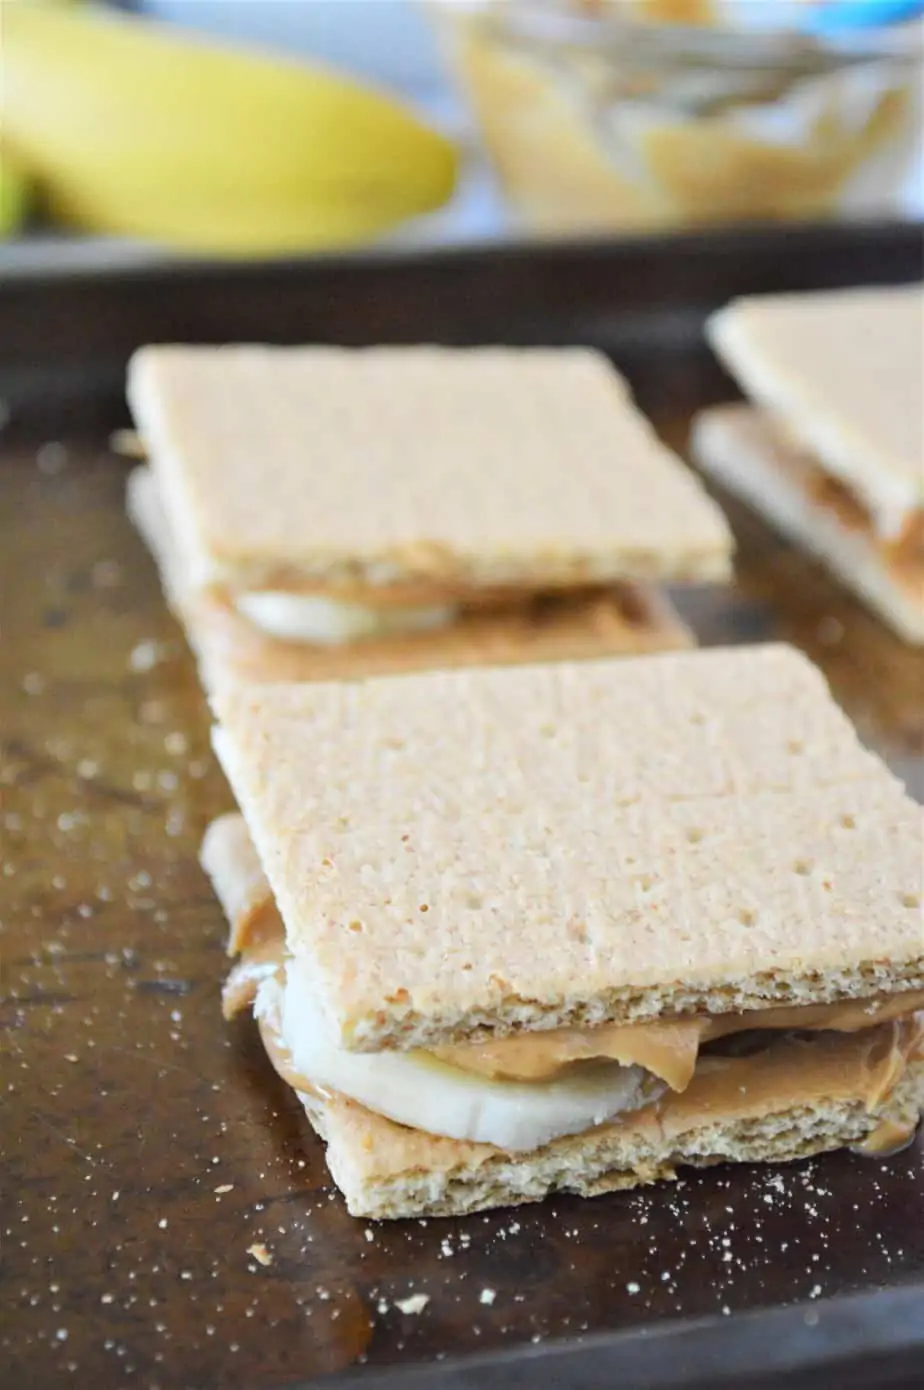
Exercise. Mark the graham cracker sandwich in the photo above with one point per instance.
(831, 446)
(571, 927)
(323, 512)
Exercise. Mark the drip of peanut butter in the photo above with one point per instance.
(281, 1058)
(231, 862)
(888, 1138)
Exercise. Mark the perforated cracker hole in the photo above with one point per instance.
(473, 901)
(424, 907)
(848, 822)
(803, 867)
(747, 916)
(356, 926)
(796, 746)
(697, 717)
(577, 930)
(548, 730)
(910, 900)
(695, 835)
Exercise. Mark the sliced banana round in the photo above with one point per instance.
(415, 1089)
(329, 622)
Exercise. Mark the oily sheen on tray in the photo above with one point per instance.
(572, 927)
(321, 512)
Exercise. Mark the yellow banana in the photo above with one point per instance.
(134, 129)
(15, 190)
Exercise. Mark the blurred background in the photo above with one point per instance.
(262, 128)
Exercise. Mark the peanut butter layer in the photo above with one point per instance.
(790, 1072)
(669, 1049)
(902, 555)
(746, 450)
(619, 620)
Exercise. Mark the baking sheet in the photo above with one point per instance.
(167, 1219)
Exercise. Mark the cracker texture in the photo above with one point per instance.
(482, 466)
(541, 846)
(738, 447)
(845, 370)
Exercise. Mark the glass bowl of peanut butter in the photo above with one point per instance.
(659, 114)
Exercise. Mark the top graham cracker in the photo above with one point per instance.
(526, 848)
(293, 467)
(844, 372)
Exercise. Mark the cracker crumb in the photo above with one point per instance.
(260, 1254)
(412, 1305)
(106, 574)
(146, 655)
(224, 1187)
(487, 1296)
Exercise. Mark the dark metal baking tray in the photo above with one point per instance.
(144, 1146)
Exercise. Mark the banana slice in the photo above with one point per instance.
(330, 622)
(415, 1089)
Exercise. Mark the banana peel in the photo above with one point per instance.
(133, 128)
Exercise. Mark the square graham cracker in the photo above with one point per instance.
(455, 468)
(534, 847)
(843, 371)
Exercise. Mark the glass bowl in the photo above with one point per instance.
(597, 115)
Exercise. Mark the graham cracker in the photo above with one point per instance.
(478, 467)
(606, 841)
(622, 619)
(740, 447)
(844, 370)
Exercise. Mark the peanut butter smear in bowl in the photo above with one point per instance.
(665, 114)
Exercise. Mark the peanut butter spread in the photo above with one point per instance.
(669, 1049)
(904, 554)
(788, 1073)
(652, 161)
